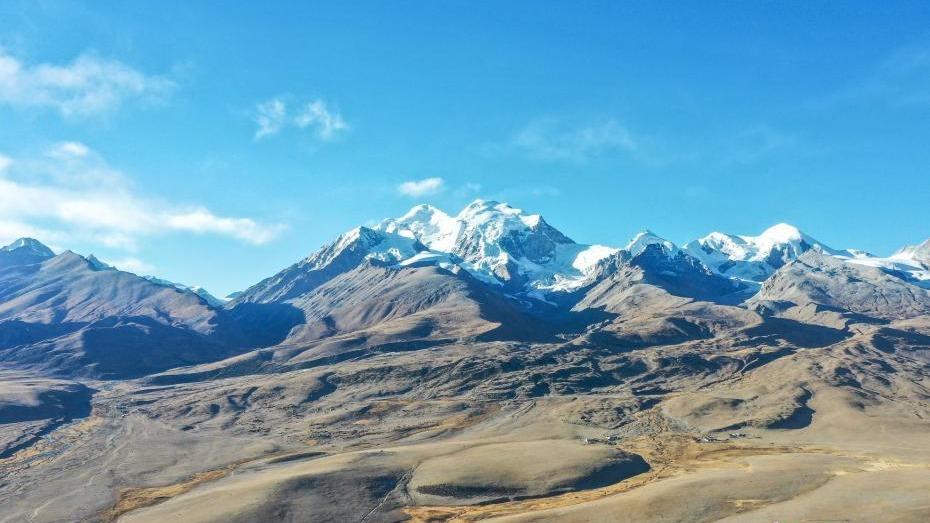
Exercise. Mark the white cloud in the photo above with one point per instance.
(133, 265)
(272, 116)
(69, 150)
(422, 187)
(5, 162)
(88, 85)
(12, 230)
(550, 140)
(327, 122)
(202, 221)
(82, 197)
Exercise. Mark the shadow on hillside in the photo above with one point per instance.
(266, 324)
(891, 340)
(800, 334)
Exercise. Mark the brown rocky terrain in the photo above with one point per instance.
(655, 390)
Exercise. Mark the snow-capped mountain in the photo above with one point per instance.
(369, 244)
(425, 275)
(501, 244)
(24, 251)
(644, 239)
(522, 255)
(349, 250)
(431, 226)
(912, 263)
(493, 242)
(915, 255)
(755, 258)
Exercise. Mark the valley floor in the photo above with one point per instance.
(373, 440)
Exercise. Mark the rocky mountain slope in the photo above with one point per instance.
(491, 271)
(481, 366)
(73, 316)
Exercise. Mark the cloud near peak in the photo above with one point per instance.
(422, 187)
(558, 141)
(133, 265)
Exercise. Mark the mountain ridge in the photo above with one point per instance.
(501, 245)
(508, 272)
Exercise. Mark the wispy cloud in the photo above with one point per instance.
(467, 190)
(557, 141)
(88, 85)
(71, 192)
(905, 77)
(325, 122)
(273, 116)
(68, 150)
(901, 80)
(424, 187)
(750, 145)
(554, 140)
(270, 116)
(545, 191)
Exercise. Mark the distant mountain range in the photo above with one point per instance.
(489, 272)
(522, 255)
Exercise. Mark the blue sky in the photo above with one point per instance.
(213, 143)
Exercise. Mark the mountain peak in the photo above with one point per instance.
(29, 245)
(98, 265)
(782, 233)
(429, 225)
(922, 252)
(644, 239)
(480, 203)
(488, 206)
(24, 251)
(754, 258)
(421, 212)
(499, 243)
(367, 243)
(385, 244)
(360, 233)
(481, 212)
(915, 253)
